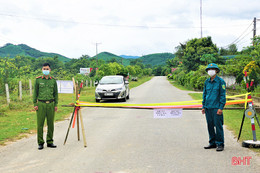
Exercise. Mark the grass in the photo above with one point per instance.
(232, 119)
(179, 86)
(19, 118)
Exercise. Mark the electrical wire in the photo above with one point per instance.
(238, 39)
(115, 25)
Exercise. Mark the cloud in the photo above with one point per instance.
(131, 27)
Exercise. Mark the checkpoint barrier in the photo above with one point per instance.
(185, 105)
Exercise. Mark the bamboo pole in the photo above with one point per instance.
(83, 129)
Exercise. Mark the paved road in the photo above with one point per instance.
(131, 141)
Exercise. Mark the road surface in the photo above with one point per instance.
(131, 141)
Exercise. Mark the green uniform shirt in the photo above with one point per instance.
(214, 93)
(45, 89)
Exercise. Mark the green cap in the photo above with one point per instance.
(213, 65)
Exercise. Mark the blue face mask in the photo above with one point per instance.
(46, 72)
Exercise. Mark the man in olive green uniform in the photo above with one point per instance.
(45, 99)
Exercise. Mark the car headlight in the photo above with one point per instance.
(99, 89)
(119, 89)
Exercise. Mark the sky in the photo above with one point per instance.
(124, 27)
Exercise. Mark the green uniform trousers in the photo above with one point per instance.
(45, 110)
(215, 127)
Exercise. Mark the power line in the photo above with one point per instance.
(117, 25)
(236, 40)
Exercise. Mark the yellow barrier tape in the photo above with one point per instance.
(184, 103)
(246, 100)
(238, 95)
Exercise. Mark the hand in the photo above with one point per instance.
(203, 111)
(219, 112)
(56, 108)
(36, 108)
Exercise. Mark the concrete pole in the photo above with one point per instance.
(7, 94)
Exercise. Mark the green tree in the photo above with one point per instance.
(194, 51)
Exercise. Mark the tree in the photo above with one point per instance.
(232, 49)
(195, 49)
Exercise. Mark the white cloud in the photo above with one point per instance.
(72, 28)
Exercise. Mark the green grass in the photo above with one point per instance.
(140, 81)
(19, 119)
(179, 86)
(232, 119)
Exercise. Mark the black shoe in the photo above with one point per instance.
(40, 147)
(220, 148)
(51, 145)
(210, 146)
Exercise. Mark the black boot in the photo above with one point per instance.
(40, 147)
(51, 145)
(210, 146)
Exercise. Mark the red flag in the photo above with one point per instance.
(245, 74)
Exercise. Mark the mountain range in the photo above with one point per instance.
(11, 50)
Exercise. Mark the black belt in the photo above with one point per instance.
(46, 101)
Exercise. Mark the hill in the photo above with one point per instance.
(153, 59)
(108, 57)
(11, 50)
(129, 57)
(157, 58)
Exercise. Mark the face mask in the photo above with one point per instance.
(211, 72)
(46, 72)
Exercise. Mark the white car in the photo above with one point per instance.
(112, 87)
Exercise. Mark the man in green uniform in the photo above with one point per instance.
(214, 100)
(45, 99)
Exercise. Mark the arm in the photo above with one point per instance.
(35, 93)
(204, 98)
(55, 94)
(222, 95)
(204, 95)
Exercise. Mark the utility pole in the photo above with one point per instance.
(254, 30)
(97, 52)
(200, 18)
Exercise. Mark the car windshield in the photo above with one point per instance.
(111, 80)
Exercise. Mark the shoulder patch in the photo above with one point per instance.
(224, 86)
(38, 77)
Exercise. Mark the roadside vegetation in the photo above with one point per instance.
(187, 72)
(18, 120)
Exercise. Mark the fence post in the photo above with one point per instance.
(7, 94)
(86, 83)
(20, 90)
(30, 85)
(90, 83)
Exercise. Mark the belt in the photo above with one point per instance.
(46, 101)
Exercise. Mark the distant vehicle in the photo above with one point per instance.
(112, 87)
(134, 79)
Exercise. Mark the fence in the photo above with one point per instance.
(25, 88)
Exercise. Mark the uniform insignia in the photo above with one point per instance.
(210, 64)
(224, 87)
(38, 77)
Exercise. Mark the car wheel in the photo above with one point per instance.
(97, 100)
(128, 96)
(124, 99)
